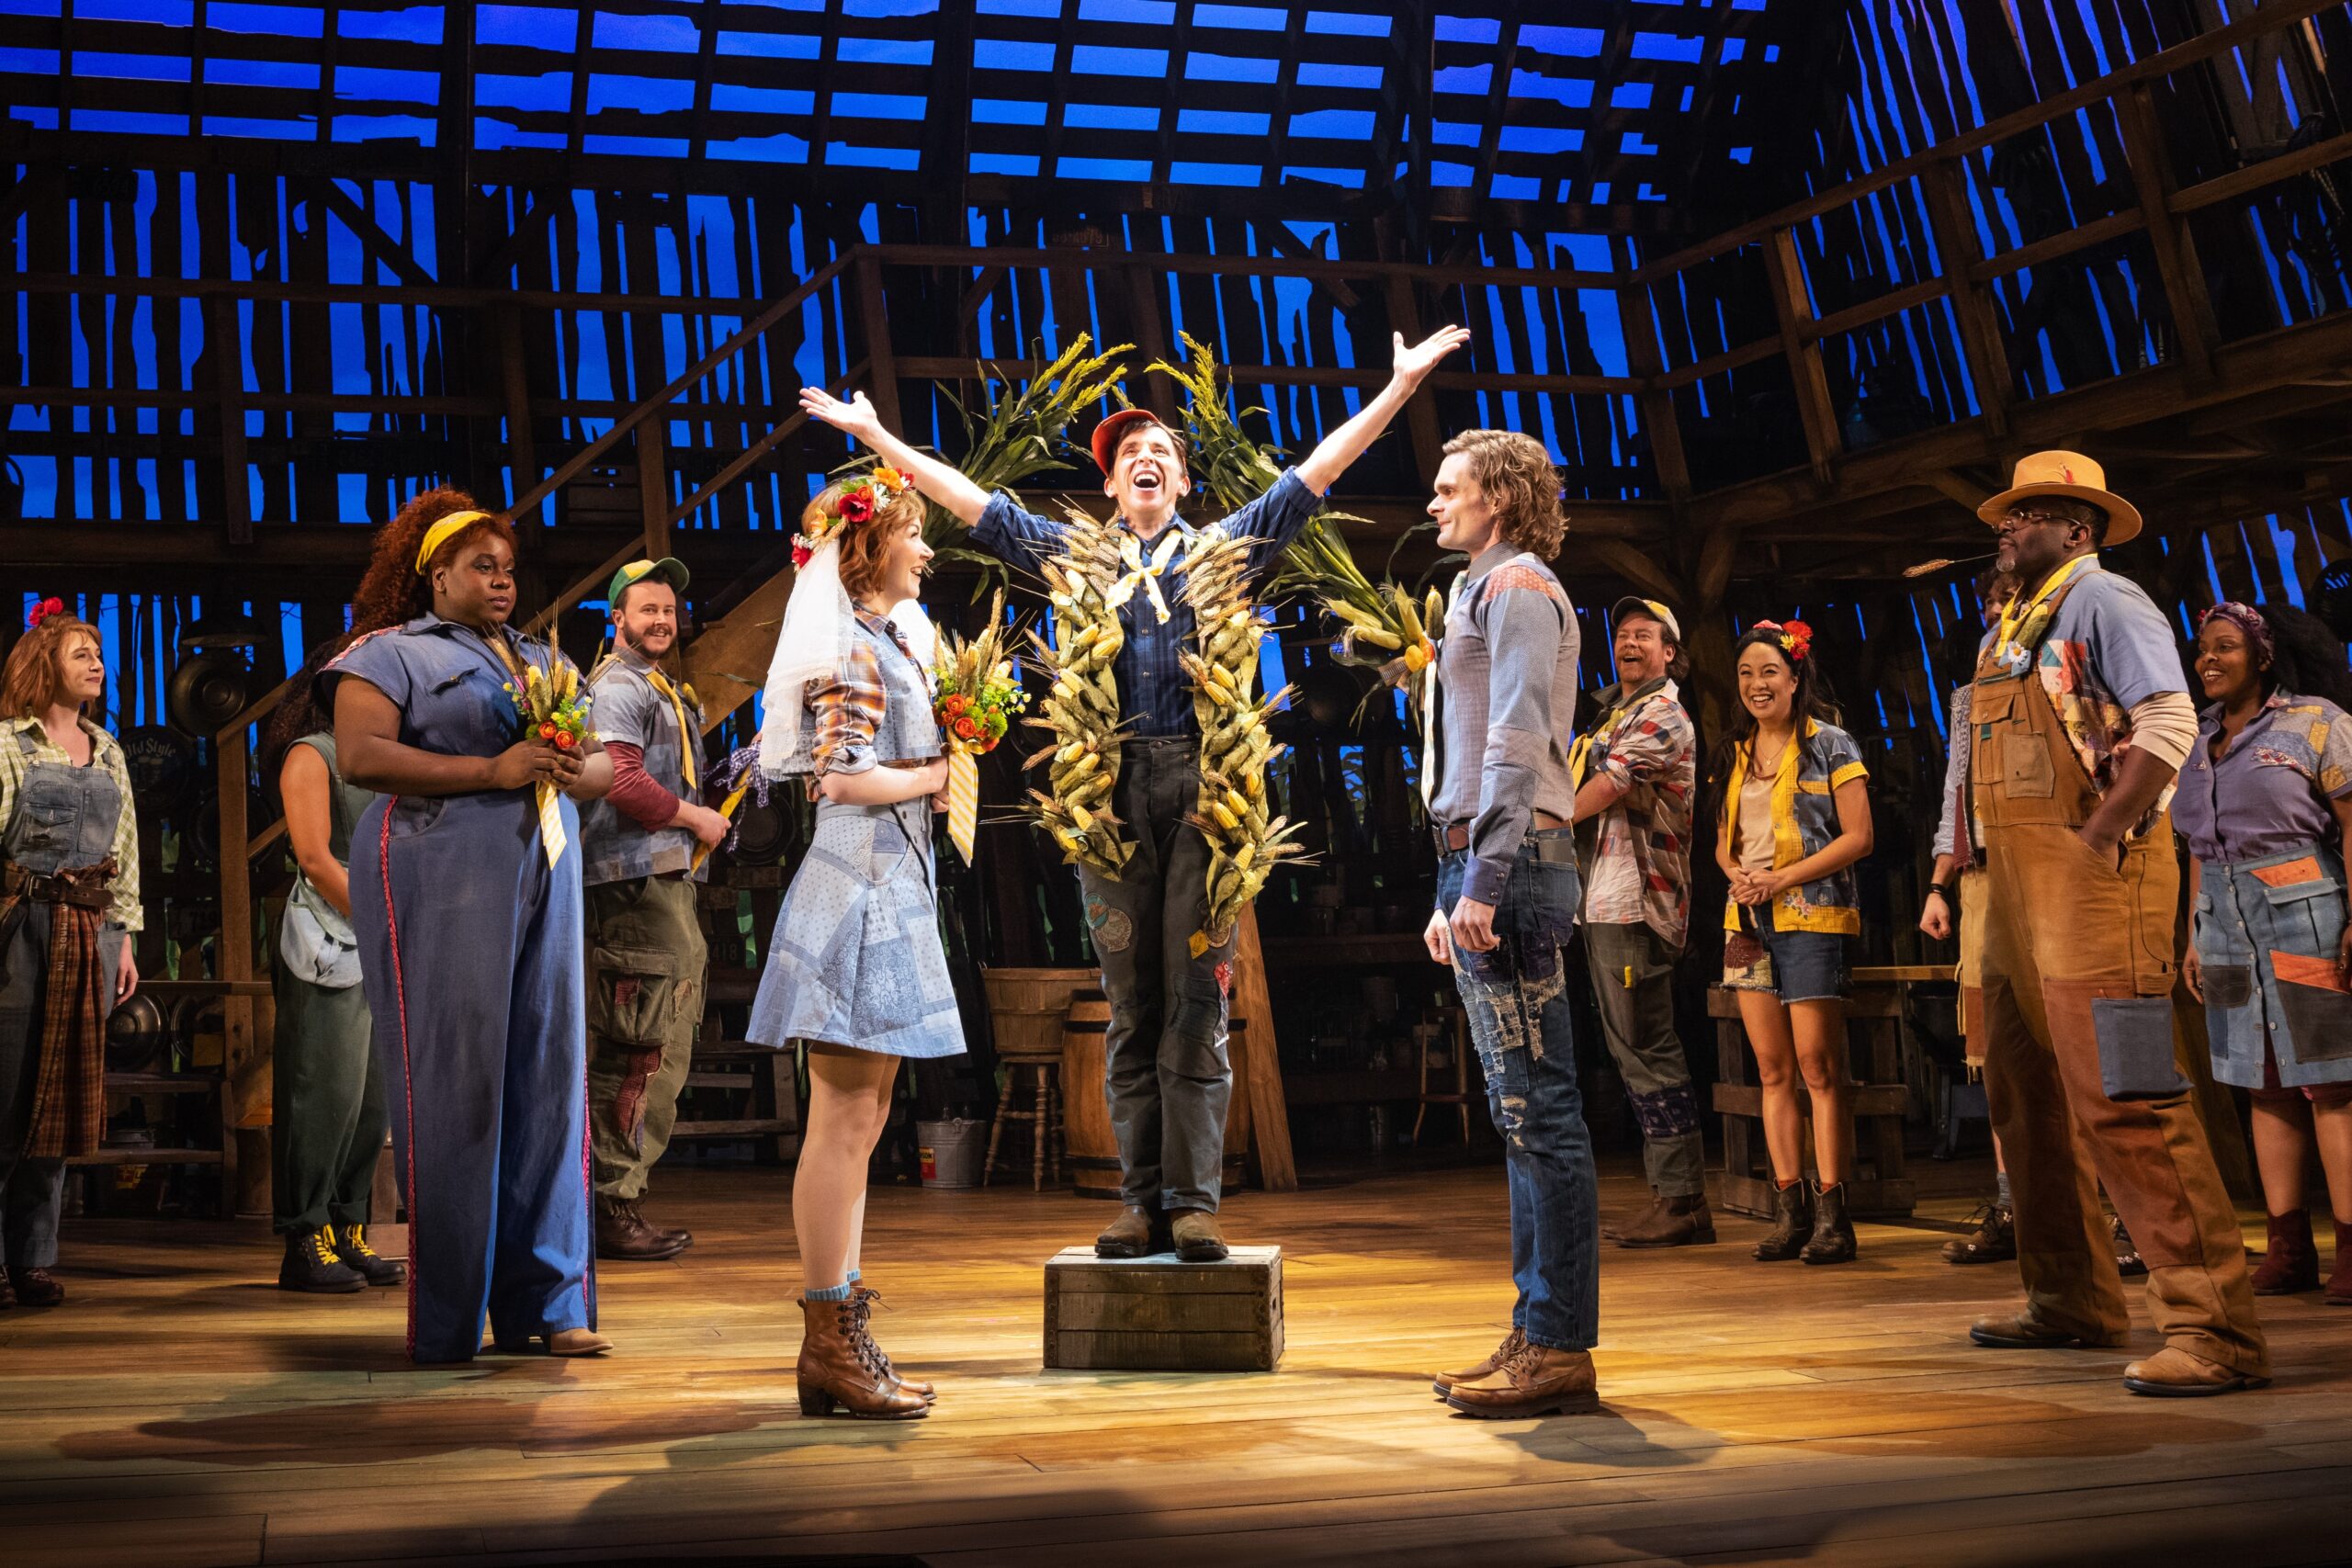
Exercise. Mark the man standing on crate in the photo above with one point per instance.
(1501, 799)
(646, 953)
(1635, 769)
(1167, 1076)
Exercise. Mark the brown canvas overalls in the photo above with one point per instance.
(2064, 929)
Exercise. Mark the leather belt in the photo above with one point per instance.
(65, 888)
(1455, 836)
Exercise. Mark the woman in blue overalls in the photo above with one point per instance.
(2266, 803)
(467, 905)
(69, 901)
(855, 969)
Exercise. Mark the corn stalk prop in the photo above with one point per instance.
(1381, 626)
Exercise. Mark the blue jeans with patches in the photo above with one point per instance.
(1516, 998)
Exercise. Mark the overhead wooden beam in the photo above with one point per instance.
(1795, 309)
(371, 236)
(1981, 342)
(2168, 236)
(1633, 564)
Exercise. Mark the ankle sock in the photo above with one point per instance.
(2001, 1192)
(827, 1293)
(854, 1276)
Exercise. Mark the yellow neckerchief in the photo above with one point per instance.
(1788, 845)
(2031, 614)
(660, 683)
(1144, 574)
(1581, 750)
(681, 697)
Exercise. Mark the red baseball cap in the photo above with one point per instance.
(1107, 436)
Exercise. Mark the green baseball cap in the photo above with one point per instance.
(669, 568)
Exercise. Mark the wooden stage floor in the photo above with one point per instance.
(181, 1410)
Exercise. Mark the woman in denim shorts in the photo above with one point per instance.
(1795, 817)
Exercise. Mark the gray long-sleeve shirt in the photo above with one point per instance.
(1955, 771)
(1505, 711)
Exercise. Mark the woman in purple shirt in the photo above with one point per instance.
(2266, 803)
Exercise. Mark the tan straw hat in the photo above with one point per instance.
(2068, 474)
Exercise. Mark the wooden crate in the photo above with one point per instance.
(1158, 1315)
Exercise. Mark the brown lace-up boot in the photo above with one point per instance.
(865, 1300)
(1536, 1380)
(836, 1368)
(1443, 1382)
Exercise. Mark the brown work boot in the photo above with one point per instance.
(1136, 1233)
(837, 1369)
(1995, 1239)
(2289, 1261)
(623, 1235)
(2023, 1331)
(1197, 1236)
(1535, 1380)
(1792, 1225)
(2175, 1374)
(2339, 1279)
(865, 1300)
(1681, 1221)
(1443, 1382)
(1833, 1228)
(34, 1287)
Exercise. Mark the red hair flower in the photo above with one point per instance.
(42, 611)
(857, 505)
(1796, 638)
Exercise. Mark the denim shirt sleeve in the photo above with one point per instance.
(1015, 537)
(1523, 632)
(1275, 518)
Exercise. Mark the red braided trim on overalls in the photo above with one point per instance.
(408, 1086)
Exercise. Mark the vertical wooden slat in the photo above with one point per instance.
(227, 350)
(874, 313)
(1420, 413)
(1795, 313)
(1972, 303)
(2168, 236)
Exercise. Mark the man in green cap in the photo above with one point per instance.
(646, 953)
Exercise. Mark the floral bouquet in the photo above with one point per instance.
(554, 709)
(976, 700)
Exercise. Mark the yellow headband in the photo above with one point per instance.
(441, 533)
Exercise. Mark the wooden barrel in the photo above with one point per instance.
(1089, 1149)
(1026, 1007)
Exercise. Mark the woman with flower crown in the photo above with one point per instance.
(69, 901)
(466, 902)
(855, 972)
(1797, 816)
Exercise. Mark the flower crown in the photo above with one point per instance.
(1795, 638)
(42, 611)
(856, 504)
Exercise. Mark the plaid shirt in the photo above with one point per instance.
(1640, 853)
(1153, 688)
(106, 753)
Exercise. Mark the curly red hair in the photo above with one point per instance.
(35, 672)
(865, 545)
(393, 591)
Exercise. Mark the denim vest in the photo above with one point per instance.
(627, 708)
(64, 820)
(908, 730)
(1804, 821)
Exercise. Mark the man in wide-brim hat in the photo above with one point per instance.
(2080, 717)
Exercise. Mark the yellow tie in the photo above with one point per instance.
(552, 831)
(685, 733)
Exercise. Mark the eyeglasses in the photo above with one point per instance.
(2022, 518)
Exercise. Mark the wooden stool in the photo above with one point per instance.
(1044, 1117)
(1424, 1036)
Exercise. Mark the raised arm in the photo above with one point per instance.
(1344, 445)
(856, 419)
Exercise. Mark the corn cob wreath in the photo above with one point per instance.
(1235, 745)
(1081, 709)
